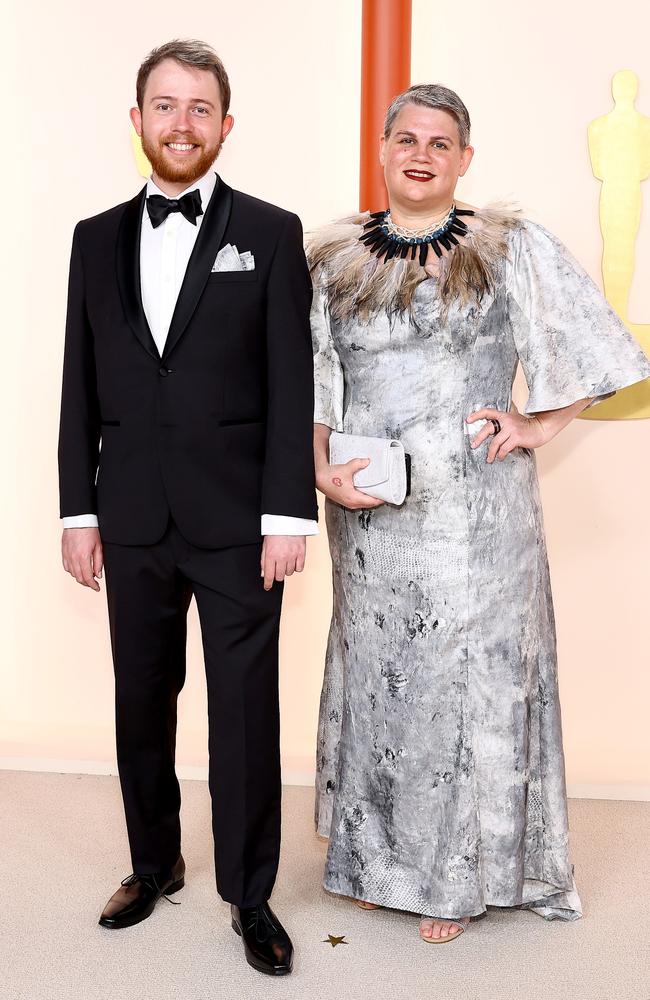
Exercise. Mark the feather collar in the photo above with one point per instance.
(356, 283)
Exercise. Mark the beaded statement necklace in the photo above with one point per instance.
(386, 239)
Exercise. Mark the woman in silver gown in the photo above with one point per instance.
(440, 765)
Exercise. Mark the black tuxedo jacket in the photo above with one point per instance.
(219, 429)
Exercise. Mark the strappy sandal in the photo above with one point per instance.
(461, 924)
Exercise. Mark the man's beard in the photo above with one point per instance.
(181, 171)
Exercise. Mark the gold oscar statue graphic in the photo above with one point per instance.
(141, 161)
(619, 147)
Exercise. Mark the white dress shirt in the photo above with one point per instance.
(164, 256)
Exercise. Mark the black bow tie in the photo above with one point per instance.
(189, 206)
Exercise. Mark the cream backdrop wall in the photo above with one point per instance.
(533, 77)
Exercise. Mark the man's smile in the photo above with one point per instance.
(181, 147)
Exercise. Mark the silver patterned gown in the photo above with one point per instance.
(440, 765)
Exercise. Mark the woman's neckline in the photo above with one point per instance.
(387, 241)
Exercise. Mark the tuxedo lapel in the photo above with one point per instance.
(208, 243)
(128, 272)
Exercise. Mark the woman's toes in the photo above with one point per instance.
(441, 929)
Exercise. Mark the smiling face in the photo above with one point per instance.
(180, 123)
(422, 160)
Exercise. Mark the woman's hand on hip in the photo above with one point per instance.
(512, 430)
(337, 483)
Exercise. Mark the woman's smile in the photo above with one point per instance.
(419, 175)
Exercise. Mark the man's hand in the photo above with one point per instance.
(83, 558)
(282, 555)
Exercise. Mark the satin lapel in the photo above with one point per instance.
(208, 243)
(128, 272)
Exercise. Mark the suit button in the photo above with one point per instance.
(164, 371)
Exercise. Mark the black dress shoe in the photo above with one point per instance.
(138, 894)
(267, 945)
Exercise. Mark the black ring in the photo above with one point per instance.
(496, 425)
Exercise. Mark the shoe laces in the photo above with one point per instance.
(262, 923)
(134, 877)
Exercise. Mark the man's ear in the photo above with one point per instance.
(382, 150)
(136, 117)
(226, 126)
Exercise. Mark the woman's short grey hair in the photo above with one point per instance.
(431, 95)
(189, 52)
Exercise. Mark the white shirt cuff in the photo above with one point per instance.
(81, 521)
(282, 524)
(272, 524)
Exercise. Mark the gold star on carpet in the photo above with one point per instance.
(333, 940)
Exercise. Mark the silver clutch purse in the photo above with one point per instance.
(387, 477)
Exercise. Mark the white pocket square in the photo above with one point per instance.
(230, 259)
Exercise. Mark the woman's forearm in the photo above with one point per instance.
(321, 446)
(553, 421)
(514, 430)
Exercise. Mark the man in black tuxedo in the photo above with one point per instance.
(186, 468)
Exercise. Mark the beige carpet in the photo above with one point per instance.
(64, 852)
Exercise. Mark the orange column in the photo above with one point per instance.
(385, 72)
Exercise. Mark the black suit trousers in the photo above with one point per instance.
(149, 589)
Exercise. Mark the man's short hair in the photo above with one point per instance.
(188, 52)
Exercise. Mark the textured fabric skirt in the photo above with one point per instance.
(440, 764)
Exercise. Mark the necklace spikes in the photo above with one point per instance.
(386, 239)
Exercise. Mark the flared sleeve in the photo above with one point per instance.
(328, 371)
(570, 342)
